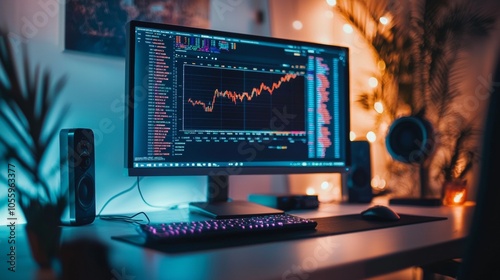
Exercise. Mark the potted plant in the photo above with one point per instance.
(456, 164)
(29, 126)
(418, 47)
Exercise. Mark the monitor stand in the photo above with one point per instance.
(218, 205)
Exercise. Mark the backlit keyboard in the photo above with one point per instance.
(185, 231)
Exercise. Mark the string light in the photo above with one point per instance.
(378, 183)
(331, 3)
(347, 28)
(297, 24)
(371, 137)
(310, 191)
(352, 135)
(373, 82)
(379, 107)
(384, 20)
(381, 65)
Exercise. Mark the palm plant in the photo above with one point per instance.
(421, 47)
(29, 126)
(462, 154)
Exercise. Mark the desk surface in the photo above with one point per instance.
(345, 256)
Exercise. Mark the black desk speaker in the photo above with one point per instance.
(77, 175)
(357, 182)
(410, 139)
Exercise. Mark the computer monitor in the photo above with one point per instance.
(214, 103)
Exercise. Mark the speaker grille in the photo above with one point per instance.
(85, 193)
(77, 174)
(359, 177)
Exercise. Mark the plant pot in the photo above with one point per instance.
(44, 241)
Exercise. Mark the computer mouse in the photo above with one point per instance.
(380, 213)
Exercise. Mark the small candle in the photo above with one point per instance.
(455, 192)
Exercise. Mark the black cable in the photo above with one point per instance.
(169, 207)
(117, 195)
(127, 219)
(122, 218)
(130, 219)
(144, 200)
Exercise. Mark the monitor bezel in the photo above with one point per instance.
(217, 171)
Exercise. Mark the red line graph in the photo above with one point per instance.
(235, 97)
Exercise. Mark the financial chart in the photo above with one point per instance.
(232, 99)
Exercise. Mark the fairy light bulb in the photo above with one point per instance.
(384, 20)
(371, 137)
(331, 3)
(310, 191)
(347, 28)
(379, 107)
(373, 82)
(297, 25)
(352, 135)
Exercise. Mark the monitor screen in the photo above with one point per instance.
(205, 102)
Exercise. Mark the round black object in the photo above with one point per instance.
(85, 192)
(409, 139)
(84, 149)
(86, 161)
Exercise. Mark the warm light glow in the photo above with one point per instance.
(459, 168)
(378, 183)
(381, 65)
(331, 3)
(328, 14)
(325, 185)
(328, 192)
(383, 127)
(373, 82)
(347, 28)
(297, 24)
(384, 20)
(310, 191)
(455, 193)
(383, 183)
(371, 137)
(352, 135)
(458, 197)
(379, 107)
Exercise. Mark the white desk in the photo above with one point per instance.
(345, 256)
